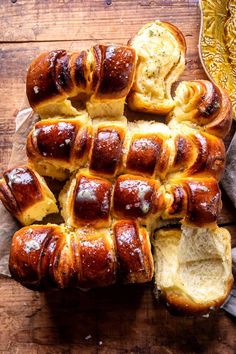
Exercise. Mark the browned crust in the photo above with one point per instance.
(117, 65)
(78, 69)
(42, 82)
(211, 156)
(107, 150)
(20, 189)
(42, 256)
(133, 252)
(144, 153)
(183, 152)
(214, 109)
(179, 207)
(198, 154)
(136, 197)
(211, 110)
(181, 304)
(197, 200)
(221, 125)
(55, 140)
(57, 75)
(162, 167)
(91, 201)
(97, 260)
(82, 144)
(8, 199)
(204, 201)
(32, 252)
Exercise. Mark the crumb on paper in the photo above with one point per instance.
(88, 337)
(100, 342)
(206, 315)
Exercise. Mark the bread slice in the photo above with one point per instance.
(161, 51)
(193, 267)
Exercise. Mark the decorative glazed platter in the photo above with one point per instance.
(217, 44)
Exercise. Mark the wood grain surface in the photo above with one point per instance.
(117, 319)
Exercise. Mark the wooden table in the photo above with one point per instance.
(117, 319)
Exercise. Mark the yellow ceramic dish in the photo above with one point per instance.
(217, 45)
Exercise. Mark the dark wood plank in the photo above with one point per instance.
(88, 20)
(111, 320)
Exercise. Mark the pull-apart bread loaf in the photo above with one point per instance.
(123, 180)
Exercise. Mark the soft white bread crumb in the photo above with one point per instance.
(109, 108)
(47, 205)
(62, 107)
(193, 267)
(161, 51)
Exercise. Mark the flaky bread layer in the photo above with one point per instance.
(161, 48)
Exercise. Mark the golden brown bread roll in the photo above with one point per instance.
(44, 256)
(197, 153)
(137, 198)
(203, 105)
(86, 199)
(57, 147)
(107, 148)
(197, 201)
(26, 195)
(103, 76)
(193, 268)
(133, 252)
(161, 48)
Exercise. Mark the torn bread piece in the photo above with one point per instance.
(193, 267)
(26, 195)
(161, 48)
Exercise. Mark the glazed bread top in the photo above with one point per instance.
(44, 256)
(87, 199)
(103, 76)
(105, 73)
(58, 147)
